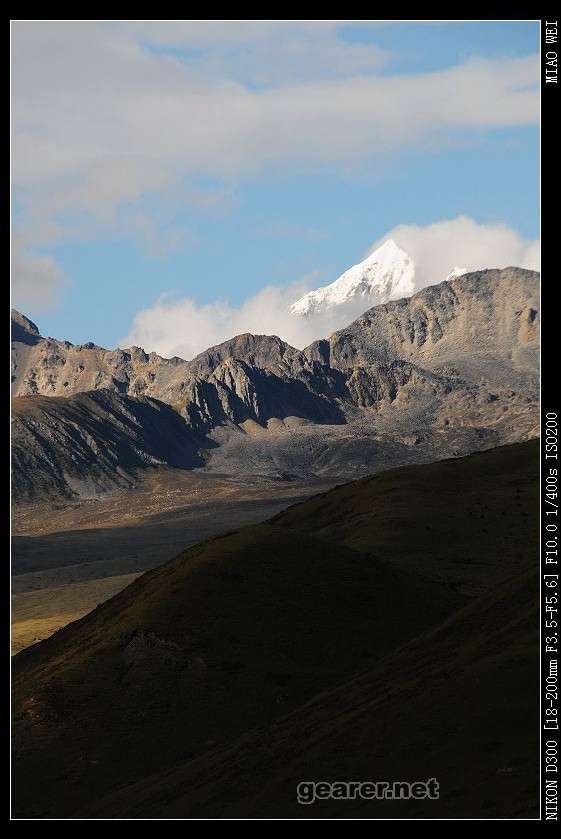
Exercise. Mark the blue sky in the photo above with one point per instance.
(127, 188)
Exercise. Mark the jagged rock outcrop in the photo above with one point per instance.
(455, 366)
(93, 442)
(486, 315)
(24, 331)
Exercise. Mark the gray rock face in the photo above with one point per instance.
(487, 314)
(24, 331)
(93, 442)
(449, 370)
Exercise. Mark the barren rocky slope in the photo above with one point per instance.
(450, 370)
(94, 442)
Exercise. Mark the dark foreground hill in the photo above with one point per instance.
(435, 708)
(139, 707)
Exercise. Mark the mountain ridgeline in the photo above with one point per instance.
(450, 370)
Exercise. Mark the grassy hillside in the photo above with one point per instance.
(37, 614)
(470, 520)
(240, 630)
(459, 704)
(69, 559)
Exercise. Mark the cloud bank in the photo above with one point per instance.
(39, 278)
(107, 115)
(185, 328)
(110, 101)
(439, 247)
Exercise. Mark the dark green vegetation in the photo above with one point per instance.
(342, 639)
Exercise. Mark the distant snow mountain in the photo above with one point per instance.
(387, 274)
(456, 272)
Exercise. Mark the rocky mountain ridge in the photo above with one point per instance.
(453, 366)
(94, 442)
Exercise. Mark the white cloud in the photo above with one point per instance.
(205, 33)
(36, 280)
(108, 114)
(185, 328)
(265, 52)
(86, 95)
(439, 247)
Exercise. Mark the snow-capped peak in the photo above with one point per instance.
(386, 274)
(456, 272)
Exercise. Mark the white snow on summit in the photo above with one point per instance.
(387, 274)
(456, 272)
